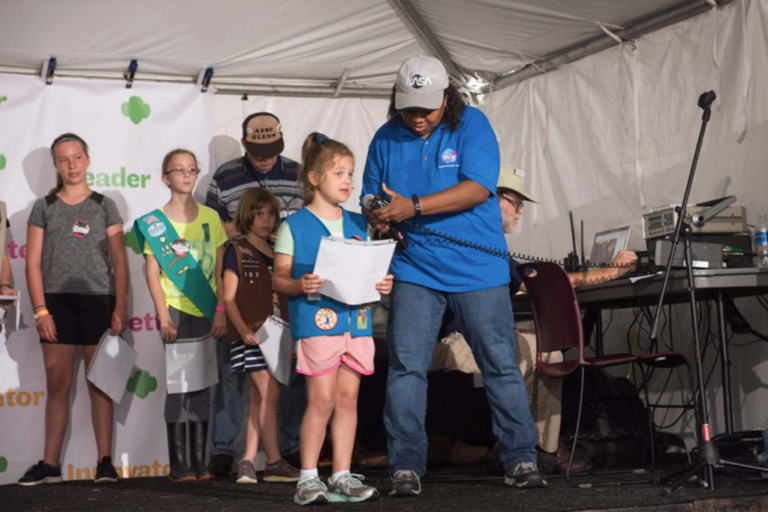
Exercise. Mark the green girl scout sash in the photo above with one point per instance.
(172, 253)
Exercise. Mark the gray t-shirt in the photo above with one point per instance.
(75, 247)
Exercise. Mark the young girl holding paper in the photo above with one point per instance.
(249, 299)
(330, 332)
(77, 275)
(184, 245)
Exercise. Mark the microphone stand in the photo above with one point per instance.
(708, 454)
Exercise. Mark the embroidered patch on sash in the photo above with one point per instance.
(326, 319)
(157, 229)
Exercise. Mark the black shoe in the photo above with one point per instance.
(405, 483)
(41, 473)
(105, 471)
(198, 437)
(525, 474)
(220, 465)
(177, 453)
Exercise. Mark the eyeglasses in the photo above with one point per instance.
(518, 204)
(178, 171)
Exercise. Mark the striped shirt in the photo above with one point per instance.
(246, 358)
(233, 178)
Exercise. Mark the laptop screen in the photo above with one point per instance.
(608, 244)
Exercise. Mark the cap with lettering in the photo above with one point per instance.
(510, 177)
(421, 83)
(263, 135)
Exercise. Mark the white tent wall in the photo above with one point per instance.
(613, 134)
(352, 121)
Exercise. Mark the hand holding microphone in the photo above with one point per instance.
(383, 212)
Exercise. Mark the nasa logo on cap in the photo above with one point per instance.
(418, 81)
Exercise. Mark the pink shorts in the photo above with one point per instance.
(321, 355)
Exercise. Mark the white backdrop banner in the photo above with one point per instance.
(128, 131)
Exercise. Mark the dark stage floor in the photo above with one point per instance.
(468, 488)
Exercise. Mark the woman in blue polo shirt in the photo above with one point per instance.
(438, 162)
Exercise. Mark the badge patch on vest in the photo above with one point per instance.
(362, 318)
(326, 319)
(80, 229)
(250, 269)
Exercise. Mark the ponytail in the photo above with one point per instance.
(317, 152)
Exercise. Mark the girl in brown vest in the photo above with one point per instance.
(249, 299)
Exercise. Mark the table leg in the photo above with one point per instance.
(725, 365)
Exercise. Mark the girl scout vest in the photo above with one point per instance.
(325, 316)
(255, 295)
(176, 260)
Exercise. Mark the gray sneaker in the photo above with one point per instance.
(525, 474)
(311, 491)
(350, 488)
(405, 482)
(246, 473)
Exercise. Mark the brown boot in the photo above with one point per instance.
(369, 458)
(466, 454)
(580, 464)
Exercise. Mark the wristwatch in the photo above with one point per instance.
(416, 204)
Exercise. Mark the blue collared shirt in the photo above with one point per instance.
(409, 165)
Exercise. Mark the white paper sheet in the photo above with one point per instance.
(15, 306)
(276, 344)
(111, 366)
(352, 268)
(190, 365)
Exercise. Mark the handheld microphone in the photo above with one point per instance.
(371, 202)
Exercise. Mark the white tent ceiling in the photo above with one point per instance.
(311, 46)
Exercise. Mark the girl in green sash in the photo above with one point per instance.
(184, 245)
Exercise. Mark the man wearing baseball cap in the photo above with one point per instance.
(261, 166)
(437, 161)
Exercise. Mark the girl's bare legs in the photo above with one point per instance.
(344, 423)
(59, 367)
(321, 399)
(269, 392)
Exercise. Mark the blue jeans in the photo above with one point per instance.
(227, 404)
(228, 407)
(485, 318)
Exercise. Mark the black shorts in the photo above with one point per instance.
(80, 319)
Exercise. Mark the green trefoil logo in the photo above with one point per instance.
(135, 109)
(142, 384)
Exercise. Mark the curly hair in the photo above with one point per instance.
(453, 110)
